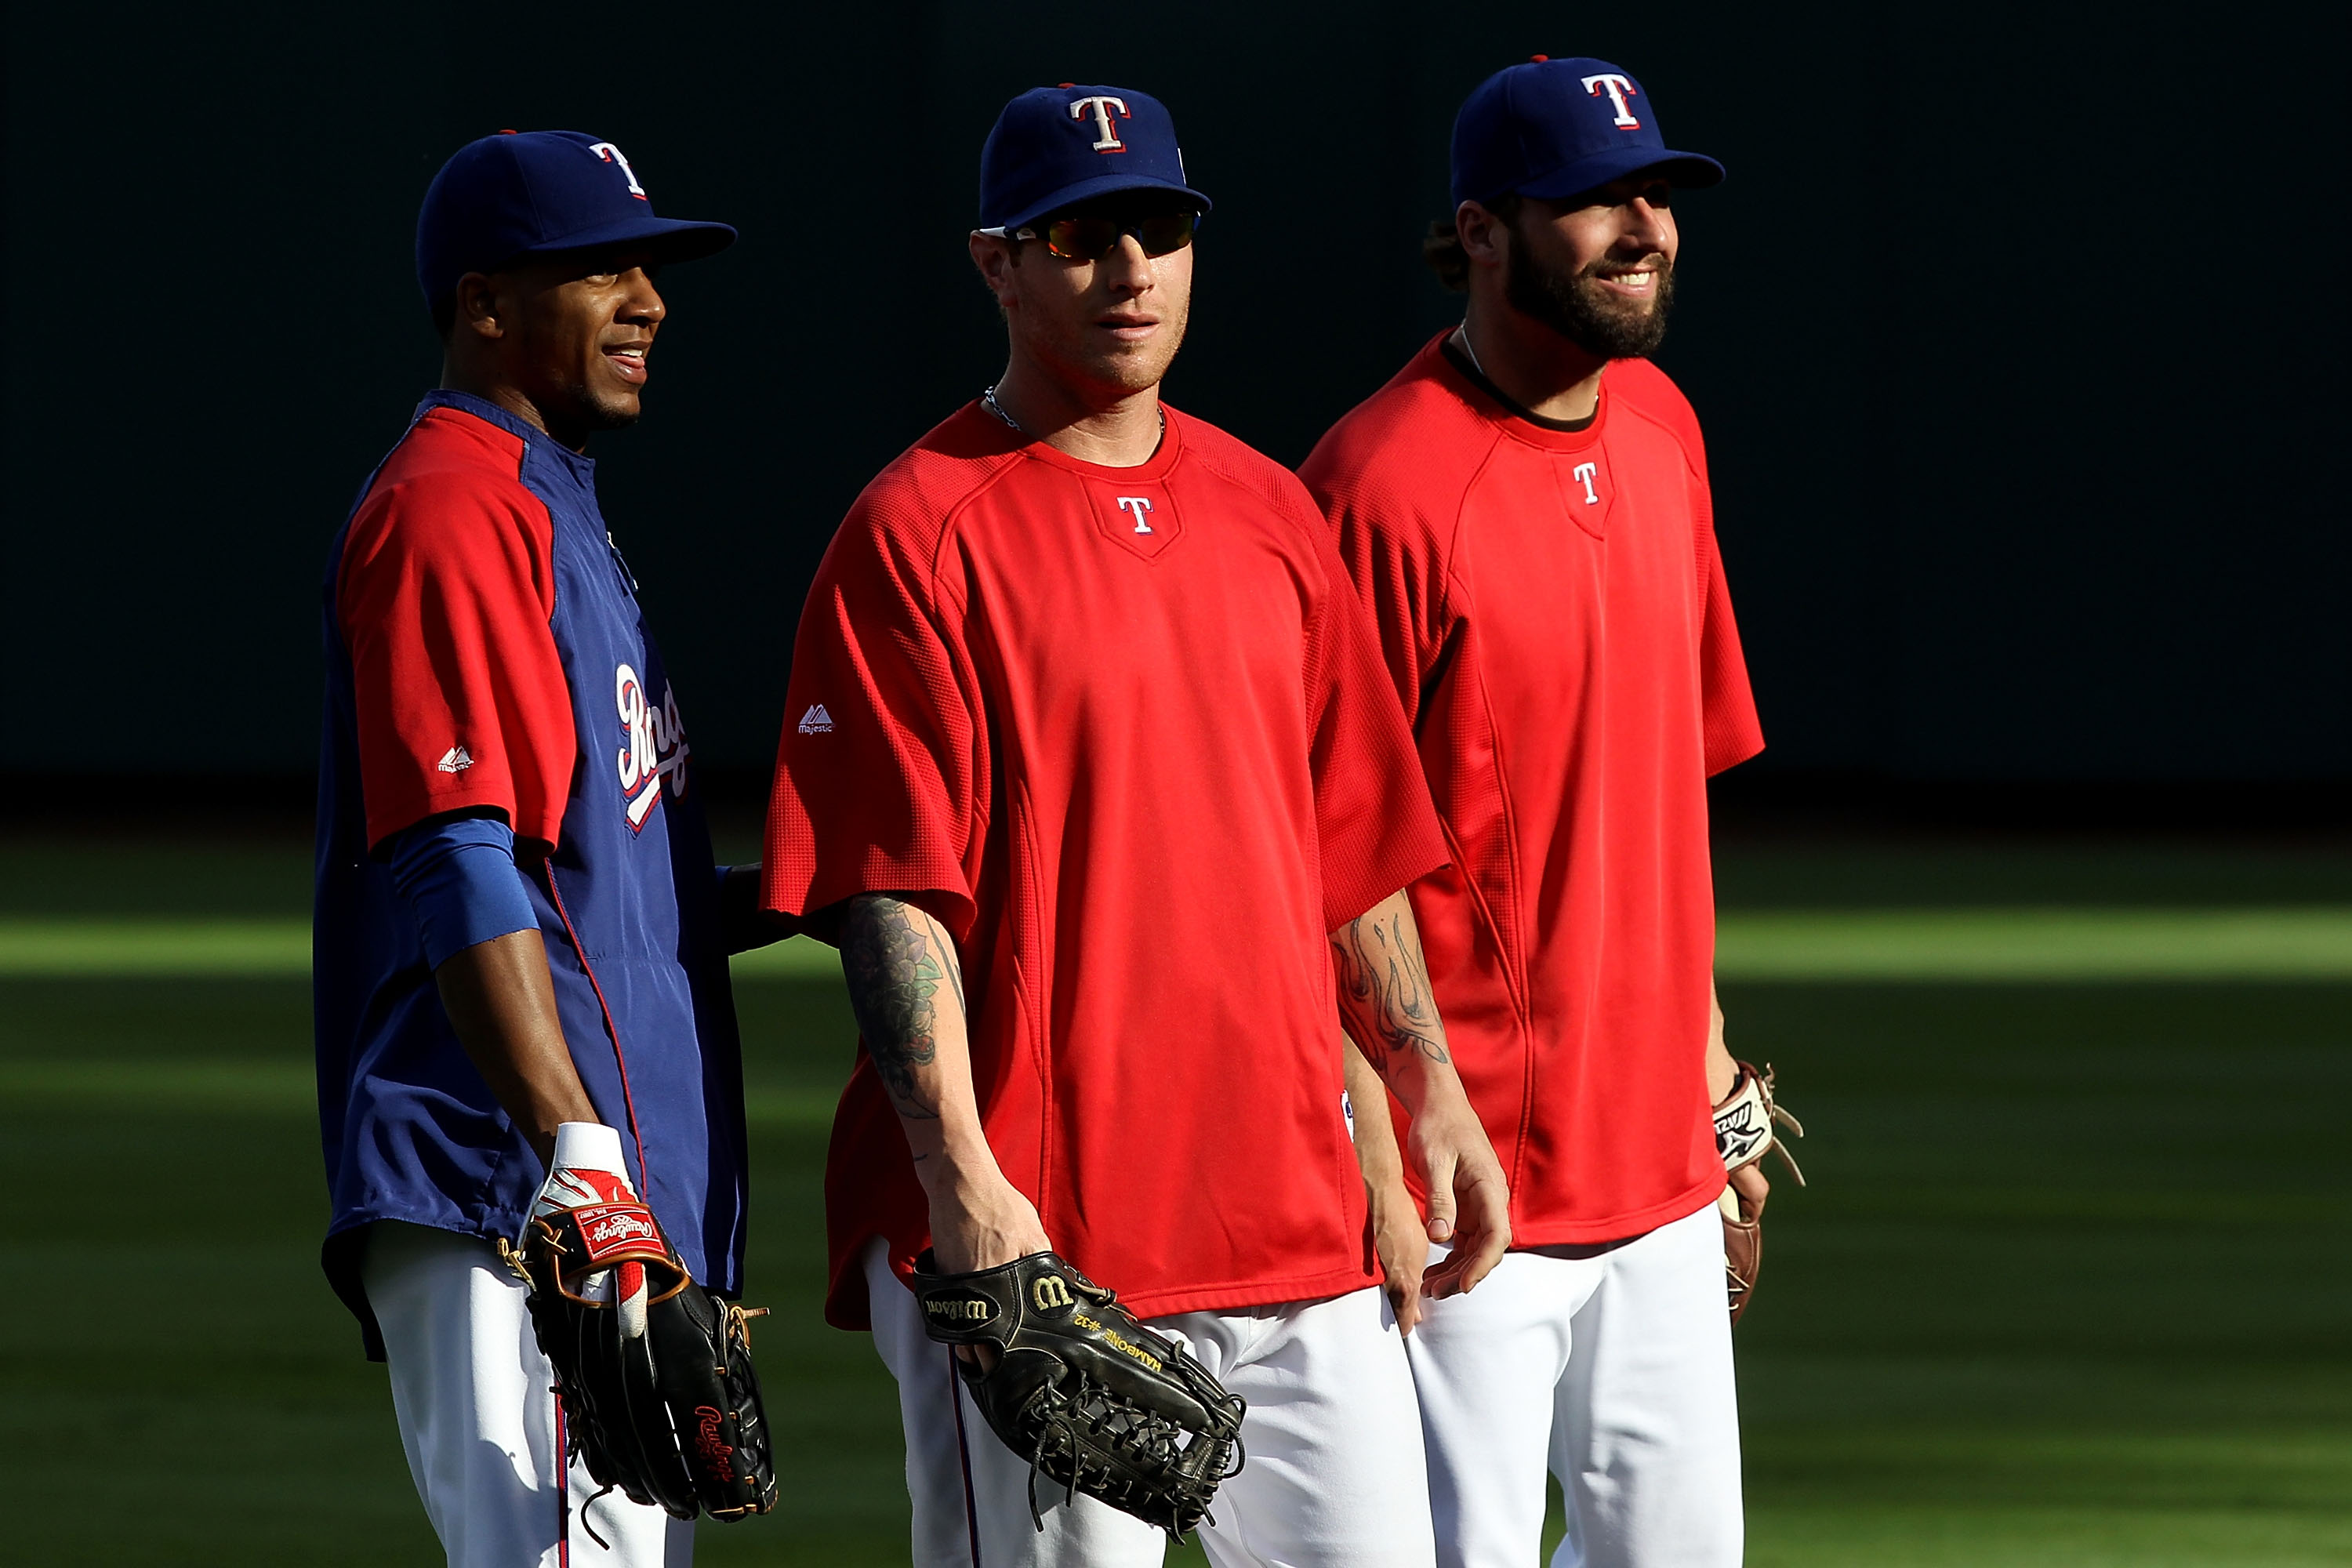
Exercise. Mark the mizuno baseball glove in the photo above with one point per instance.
(1091, 1397)
(654, 1372)
(1745, 1131)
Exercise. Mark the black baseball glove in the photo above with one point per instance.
(654, 1372)
(1091, 1397)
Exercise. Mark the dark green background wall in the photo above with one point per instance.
(2020, 336)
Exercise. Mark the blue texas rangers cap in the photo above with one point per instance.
(1055, 146)
(1558, 128)
(527, 193)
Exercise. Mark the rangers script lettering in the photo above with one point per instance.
(656, 747)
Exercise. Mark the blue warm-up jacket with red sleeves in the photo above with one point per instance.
(485, 652)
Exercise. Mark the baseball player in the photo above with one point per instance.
(1524, 508)
(1088, 747)
(521, 938)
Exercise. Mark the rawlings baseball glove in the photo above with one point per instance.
(654, 1372)
(1090, 1396)
(1744, 1133)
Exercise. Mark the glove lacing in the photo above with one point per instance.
(1126, 1426)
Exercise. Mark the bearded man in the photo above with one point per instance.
(1524, 508)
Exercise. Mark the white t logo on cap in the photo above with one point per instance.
(1618, 89)
(1100, 105)
(607, 153)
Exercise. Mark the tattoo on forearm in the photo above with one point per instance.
(891, 955)
(1384, 992)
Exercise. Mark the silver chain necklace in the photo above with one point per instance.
(1462, 336)
(988, 401)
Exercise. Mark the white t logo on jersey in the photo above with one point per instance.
(1618, 89)
(1584, 473)
(612, 154)
(1137, 508)
(1099, 105)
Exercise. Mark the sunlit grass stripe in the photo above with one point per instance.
(2014, 945)
(230, 1085)
(1986, 945)
(129, 948)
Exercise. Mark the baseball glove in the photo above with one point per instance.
(1745, 1127)
(654, 1372)
(1090, 1396)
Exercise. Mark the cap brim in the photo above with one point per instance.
(670, 239)
(1687, 171)
(1100, 186)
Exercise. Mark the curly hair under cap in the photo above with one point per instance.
(1442, 246)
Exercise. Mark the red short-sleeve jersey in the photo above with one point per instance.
(442, 596)
(1127, 732)
(1552, 610)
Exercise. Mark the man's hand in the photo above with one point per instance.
(1400, 1241)
(1722, 1077)
(1469, 1202)
(1399, 1236)
(1385, 1001)
(979, 1223)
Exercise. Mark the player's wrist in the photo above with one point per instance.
(961, 1171)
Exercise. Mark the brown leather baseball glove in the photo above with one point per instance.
(1746, 1128)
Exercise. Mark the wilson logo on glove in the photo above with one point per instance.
(967, 1310)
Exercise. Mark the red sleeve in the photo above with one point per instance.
(878, 775)
(1731, 730)
(1373, 817)
(1393, 559)
(444, 594)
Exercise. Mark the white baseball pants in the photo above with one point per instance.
(1335, 1476)
(478, 1417)
(1610, 1367)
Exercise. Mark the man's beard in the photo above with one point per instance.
(1578, 308)
(593, 410)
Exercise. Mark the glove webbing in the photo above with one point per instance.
(1126, 1424)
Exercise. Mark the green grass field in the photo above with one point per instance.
(2064, 1290)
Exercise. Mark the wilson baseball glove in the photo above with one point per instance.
(1091, 1397)
(654, 1372)
(1746, 1130)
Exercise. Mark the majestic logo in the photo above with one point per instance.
(1584, 472)
(455, 759)
(1050, 1292)
(1618, 89)
(1137, 508)
(816, 721)
(612, 154)
(657, 748)
(1099, 105)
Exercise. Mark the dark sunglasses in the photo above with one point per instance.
(1091, 238)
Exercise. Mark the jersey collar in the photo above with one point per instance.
(1487, 401)
(582, 469)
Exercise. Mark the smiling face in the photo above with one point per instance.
(1597, 269)
(570, 333)
(1107, 327)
